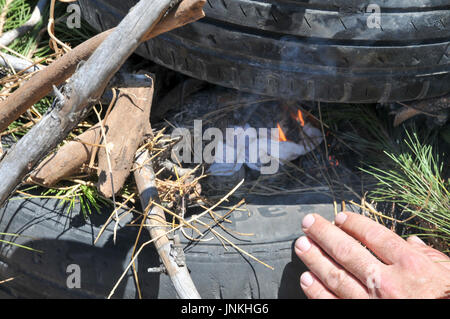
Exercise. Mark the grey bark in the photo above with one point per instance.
(82, 90)
(18, 64)
(171, 256)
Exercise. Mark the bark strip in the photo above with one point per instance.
(79, 94)
(8, 37)
(60, 70)
(125, 130)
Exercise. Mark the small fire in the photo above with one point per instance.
(281, 136)
(300, 118)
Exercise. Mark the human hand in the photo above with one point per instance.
(341, 267)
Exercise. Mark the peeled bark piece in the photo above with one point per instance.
(60, 70)
(68, 160)
(79, 94)
(125, 130)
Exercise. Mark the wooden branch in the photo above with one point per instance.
(156, 221)
(68, 160)
(60, 70)
(128, 116)
(82, 90)
(18, 64)
(8, 37)
(431, 107)
(126, 127)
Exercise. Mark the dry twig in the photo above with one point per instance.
(82, 90)
(170, 256)
(60, 70)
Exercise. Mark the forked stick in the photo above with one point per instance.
(60, 70)
(79, 94)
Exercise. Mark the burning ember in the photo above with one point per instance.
(281, 136)
(298, 118)
(333, 160)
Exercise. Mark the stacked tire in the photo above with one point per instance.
(358, 51)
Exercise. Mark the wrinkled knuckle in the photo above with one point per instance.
(390, 291)
(373, 278)
(437, 255)
(343, 251)
(392, 244)
(414, 261)
(335, 278)
(372, 234)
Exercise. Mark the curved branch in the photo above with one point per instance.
(82, 90)
(60, 70)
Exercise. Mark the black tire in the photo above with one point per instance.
(312, 50)
(217, 272)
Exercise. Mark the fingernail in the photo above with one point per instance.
(340, 218)
(308, 220)
(306, 279)
(417, 240)
(303, 244)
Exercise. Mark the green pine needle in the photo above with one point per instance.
(415, 183)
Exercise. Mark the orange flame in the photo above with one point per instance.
(281, 136)
(300, 118)
(297, 117)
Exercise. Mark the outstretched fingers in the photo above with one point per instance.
(342, 248)
(331, 275)
(387, 245)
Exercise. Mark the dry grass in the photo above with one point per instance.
(182, 187)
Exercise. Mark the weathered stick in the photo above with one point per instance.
(68, 160)
(18, 64)
(36, 16)
(156, 221)
(60, 70)
(125, 132)
(128, 120)
(431, 107)
(82, 90)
